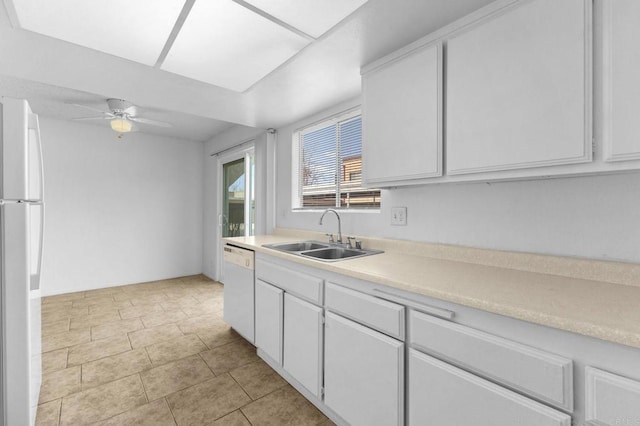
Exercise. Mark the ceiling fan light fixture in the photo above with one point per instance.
(121, 125)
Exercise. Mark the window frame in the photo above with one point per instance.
(297, 187)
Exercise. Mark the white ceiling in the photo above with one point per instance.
(228, 43)
(323, 74)
(313, 17)
(230, 46)
(135, 30)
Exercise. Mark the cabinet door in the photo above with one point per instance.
(401, 110)
(519, 89)
(440, 394)
(303, 342)
(269, 310)
(363, 374)
(621, 83)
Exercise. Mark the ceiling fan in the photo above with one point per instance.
(121, 115)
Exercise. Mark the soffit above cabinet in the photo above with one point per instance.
(227, 43)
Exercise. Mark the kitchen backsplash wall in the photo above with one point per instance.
(118, 210)
(593, 217)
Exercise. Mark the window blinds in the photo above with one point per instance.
(330, 166)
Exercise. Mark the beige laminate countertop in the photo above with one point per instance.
(593, 308)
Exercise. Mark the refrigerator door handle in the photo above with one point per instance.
(35, 284)
(34, 126)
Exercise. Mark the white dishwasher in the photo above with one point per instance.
(238, 280)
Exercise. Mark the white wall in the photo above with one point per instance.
(118, 211)
(232, 137)
(593, 217)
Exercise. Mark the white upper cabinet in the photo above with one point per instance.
(518, 89)
(402, 119)
(621, 82)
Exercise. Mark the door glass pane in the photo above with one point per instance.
(233, 224)
(252, 196)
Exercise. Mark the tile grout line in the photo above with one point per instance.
(243, 390)
(244, 415)
(146, 351)
(144, 388)
(206, 363)
(60, 413)
(173, 416)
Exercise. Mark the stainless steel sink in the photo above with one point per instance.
(299, 246)
(333, 253)
(326, 252)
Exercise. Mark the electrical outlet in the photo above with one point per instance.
(399, 216)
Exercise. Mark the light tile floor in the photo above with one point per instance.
(157, 353)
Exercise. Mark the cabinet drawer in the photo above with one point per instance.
(376, 313)
(303, 285)
(611, 399)
(441, 394)
(540, 374)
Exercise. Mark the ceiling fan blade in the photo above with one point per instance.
(150, 122)
(91, 108)
(131, 111)
(102, 117)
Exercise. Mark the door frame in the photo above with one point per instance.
(244, 150)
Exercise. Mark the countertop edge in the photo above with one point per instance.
(566, 323)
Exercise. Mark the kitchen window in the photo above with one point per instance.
(327, 172)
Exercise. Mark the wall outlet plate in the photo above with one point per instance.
(399, 216)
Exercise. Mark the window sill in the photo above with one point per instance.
(341, 211)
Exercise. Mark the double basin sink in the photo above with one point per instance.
(326, 252)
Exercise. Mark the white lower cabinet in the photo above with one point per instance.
(611, 399)
(269, 313)
(303, 343)
(539, 374)
(443, 395)
(363, 373)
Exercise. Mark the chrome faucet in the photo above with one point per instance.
(339, 223)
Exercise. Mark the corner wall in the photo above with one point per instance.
(118, 211)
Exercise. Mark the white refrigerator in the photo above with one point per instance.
(21, 237)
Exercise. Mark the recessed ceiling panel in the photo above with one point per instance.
(230, 46)
(135, 30)
(313, 17)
